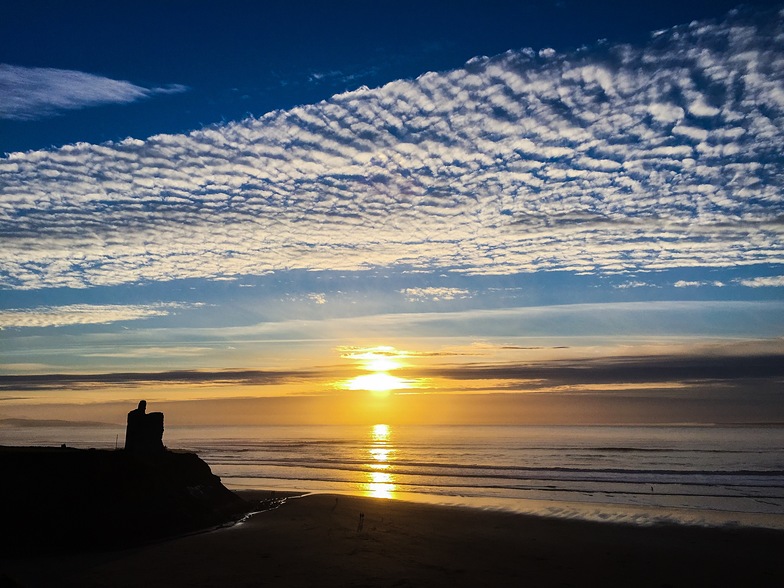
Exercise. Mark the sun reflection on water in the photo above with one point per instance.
(380, 433)
(381, 481)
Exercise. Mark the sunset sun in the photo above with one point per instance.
(379, 382)
(379, 360)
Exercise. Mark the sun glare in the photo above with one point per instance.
(378, 382)
(382, 358)
(379, 361)
(382, 364)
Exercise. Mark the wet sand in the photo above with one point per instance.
(317, 541)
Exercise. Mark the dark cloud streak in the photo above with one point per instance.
(628, 370)
(698, 369)
(57, 382)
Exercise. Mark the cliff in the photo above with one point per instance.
(63, 499)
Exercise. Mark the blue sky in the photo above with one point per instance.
(258, 186)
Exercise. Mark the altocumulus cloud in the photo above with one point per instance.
(37, 92)
(608, 159)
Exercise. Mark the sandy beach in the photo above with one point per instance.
(328, 540)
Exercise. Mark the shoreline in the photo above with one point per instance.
(592, 512)
(340, 540)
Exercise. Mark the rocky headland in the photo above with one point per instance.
(64, 499)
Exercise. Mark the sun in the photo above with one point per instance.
(378, 382)
(380, 361)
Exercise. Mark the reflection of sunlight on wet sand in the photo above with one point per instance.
(380, 484)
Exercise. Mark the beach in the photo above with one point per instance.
(339, 540)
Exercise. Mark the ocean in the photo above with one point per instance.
(703, 475)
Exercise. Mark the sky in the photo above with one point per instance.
(496, 212)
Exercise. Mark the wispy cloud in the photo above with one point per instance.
(698, 283)
(541, 325)
(317, 297)
(146, 352)
(770, 281)
(634, 284)
(38, 92)
(83, 314)
(611, 159)
(388, 352)
(434, 293)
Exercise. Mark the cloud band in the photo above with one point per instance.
(610, 159)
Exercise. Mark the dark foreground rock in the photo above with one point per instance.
(63, 499)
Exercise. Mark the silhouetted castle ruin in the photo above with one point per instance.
(144, 433)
